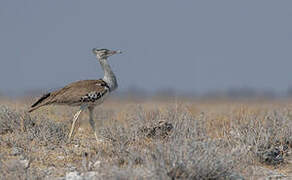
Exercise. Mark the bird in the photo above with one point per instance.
(86, 94)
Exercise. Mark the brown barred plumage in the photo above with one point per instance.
(73, 94)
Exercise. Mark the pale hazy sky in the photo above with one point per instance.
(185, 45)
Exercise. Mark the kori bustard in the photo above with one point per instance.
(86, 93)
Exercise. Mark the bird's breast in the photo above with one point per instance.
(94, 97)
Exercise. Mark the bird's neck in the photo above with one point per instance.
(109, 76)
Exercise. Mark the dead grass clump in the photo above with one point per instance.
(268, 138)
(48, 132)
(193, 160)
(12, 121)
(23, 126)
(201, 160)
(14, 169)
(9, 120)
(19, 169)
(24, 141)
(187, 152)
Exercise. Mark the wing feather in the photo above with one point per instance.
(74, 93)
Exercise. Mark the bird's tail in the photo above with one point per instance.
(32, 109)
(39, 102)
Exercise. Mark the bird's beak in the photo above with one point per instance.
(115, 52)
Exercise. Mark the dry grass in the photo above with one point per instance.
(149, 140)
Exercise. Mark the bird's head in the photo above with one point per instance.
(104, 53)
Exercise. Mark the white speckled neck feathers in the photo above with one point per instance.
(109, 76)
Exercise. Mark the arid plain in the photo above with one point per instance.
(172, 138)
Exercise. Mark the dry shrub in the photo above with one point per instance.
(267, 136)
(186, 152)
(9, 120)
(23, 135)
(40, 130)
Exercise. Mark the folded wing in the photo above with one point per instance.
(74, 94)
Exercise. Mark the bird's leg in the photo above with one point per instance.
(92, 123)
(74, 121)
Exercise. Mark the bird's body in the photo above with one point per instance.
(84, 93)
(89, 92)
